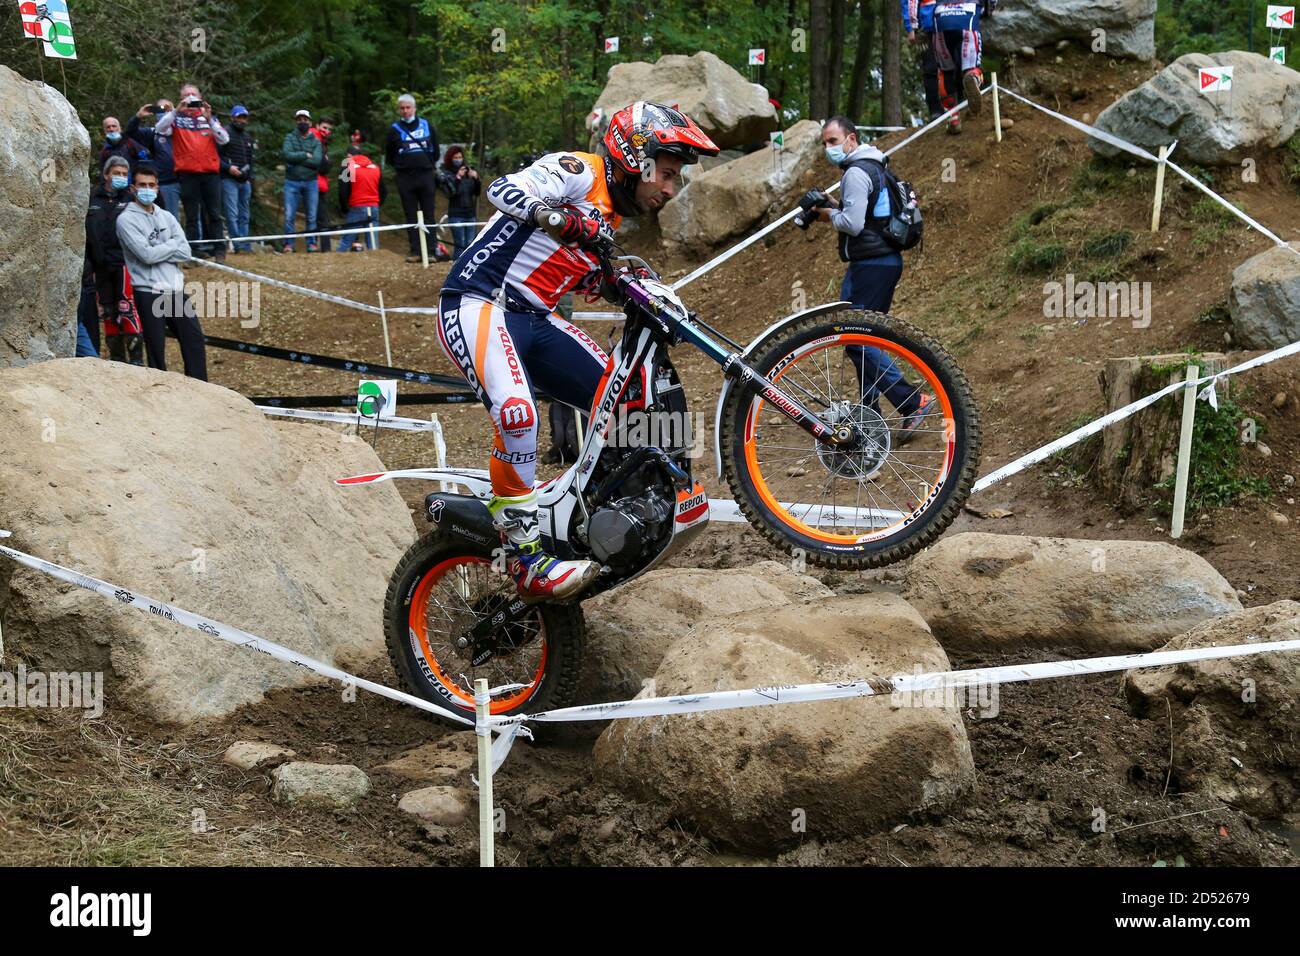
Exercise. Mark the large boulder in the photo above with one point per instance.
(630, 629)
(1261, 111)
(770, 777)
(730, 199)
(731, 109)
(1265, 298)
(1129, 25)
(44, 155)
(991, 591)
(183, 491)
(1236, 732)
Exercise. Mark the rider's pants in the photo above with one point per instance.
(504, 355)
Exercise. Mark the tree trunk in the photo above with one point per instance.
(1142, 450)
(819, 41)
(862, 60)
(835, 66)
(891, 66)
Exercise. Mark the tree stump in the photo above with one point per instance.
(1142, 450)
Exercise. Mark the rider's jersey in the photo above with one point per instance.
(518, 259)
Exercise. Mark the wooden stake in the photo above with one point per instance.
(1160, 189)
(424, 242)
(997, 112)
(1184, 453)
(482, 708)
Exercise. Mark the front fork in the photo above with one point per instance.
(752, 383)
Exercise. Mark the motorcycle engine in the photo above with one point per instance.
(622, 532)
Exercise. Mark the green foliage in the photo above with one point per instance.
(1107, 245)
(1030, 255)
(1291, 163)
(1217, 477)
(1204, 26)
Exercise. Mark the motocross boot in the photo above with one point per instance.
(538, 575)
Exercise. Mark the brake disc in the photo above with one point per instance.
(864, 461)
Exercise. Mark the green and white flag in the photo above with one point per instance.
(1277, 54)
(778, 140)
(49, 22)
(1280, 18)
(377, 398)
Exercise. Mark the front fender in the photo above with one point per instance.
(726, 386)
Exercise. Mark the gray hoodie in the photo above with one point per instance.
(856, 193)
(153, 242)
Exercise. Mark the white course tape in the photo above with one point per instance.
(289, 286)
(881, 686)
(403, 424)
(1138, 151)
(1079, 434)
(225, 632)
(359, 227)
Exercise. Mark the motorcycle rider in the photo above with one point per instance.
(958, 44)
(497, 319)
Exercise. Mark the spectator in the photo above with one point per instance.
(918, 21)
(412, 150)
(160, 152)
(874, 266)
(323, 131)
(303, 155)
(461, 183)
(237, 176)
(361, 193)
(116, 144)
(111, 286)
(195, 137)
(357, 137)
(152, 243)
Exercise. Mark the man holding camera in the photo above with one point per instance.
(160, 151)
(875, 264)
(195, 137)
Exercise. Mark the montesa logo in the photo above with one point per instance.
(207, 628)
(123, 595)
(508, 229)
(517, 415)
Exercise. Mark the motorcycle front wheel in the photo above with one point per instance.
(899, 487)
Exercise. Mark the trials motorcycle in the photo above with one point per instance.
(816, 459)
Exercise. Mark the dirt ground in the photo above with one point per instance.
(121, 790)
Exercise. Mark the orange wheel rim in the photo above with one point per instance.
(760, 481)
(418, 622)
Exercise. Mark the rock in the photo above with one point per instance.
(44, 190)
(1279, 400)
(319, 786)
(1129, 26)
(443, 807)
(1265, 299)
(255, 755)
(630, 630)
(732, 110)
(183, 491)
(1261, 111)
(1278, 518)
(841, 768)
(1263, 450)
(990, 591)
(433, 762)
(728, 200)
(1028, 51)
(1234, 719)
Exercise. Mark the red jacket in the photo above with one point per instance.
(194, 145)
(364, 181)
(323, 177)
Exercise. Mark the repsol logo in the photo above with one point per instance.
(508, 229)
(611, 398)
(455, 340)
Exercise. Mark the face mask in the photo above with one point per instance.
(118, 182)
(835, 154)
(113, 137)
(303, 127)
(146, 197)
(457, 163)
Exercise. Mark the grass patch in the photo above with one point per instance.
(1030, 255)
(1291, 161)
(1217, 477)
(1107, 245)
